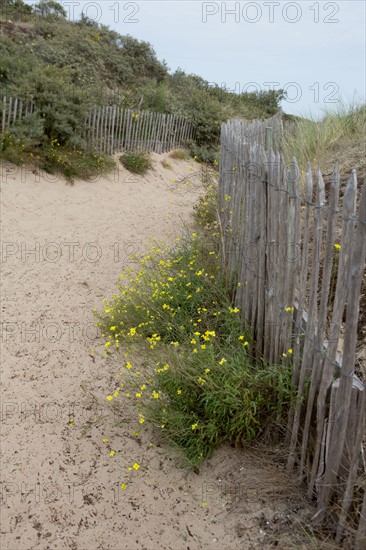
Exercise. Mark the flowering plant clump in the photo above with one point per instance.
(198, 383)
(205, 211)
(137, 161)
(53, 157)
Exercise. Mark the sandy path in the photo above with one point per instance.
(60, 487)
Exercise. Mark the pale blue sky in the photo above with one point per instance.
(314, 49)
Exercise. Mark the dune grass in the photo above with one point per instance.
(315, 141)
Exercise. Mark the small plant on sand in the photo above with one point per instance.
(166, 164)
(205, 210)
(136, 161)
(180, 154)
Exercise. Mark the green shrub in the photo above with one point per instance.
(12, 149)
(205, 401)
(206, 114)
(136, 161)
(52, 157)
(74, 162)
(199, 385)
(50, 8)
(205, 210)
(15, 10)
(207, 154)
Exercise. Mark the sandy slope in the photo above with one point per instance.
(60, 487)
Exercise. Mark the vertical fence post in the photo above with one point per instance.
(4, 115)
(268, 138)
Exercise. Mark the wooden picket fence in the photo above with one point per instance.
(297, 260)
(12, 110)
(110, 129)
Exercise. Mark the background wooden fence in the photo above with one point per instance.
(12, 110)
(299, 259)
(110, 129)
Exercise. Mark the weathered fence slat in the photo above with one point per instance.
(298, 378)
(282, 263)
(9, 113)
(262, 228)
(354, 464)
(269, 275)
(277, 258)
(309, 359)
(3, 123)
(105, 129)
(361, 531)
(135, 123)
(112, 133)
